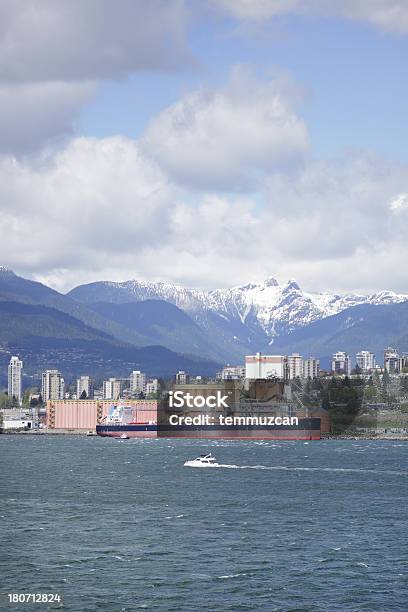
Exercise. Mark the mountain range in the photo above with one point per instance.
(107, 328)
(50, 330)
(258, 316)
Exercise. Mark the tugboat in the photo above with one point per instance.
(202, 461)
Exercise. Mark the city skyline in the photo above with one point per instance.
(204, 134)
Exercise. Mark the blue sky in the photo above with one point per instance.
(354, 79)
(207, 144)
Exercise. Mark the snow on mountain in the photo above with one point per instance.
(267, 307)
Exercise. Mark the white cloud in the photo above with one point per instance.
(101, 209)
(53, 54)
(87, 206)
(35, 113)
(400, 203)
(72, 40)
(225, 138)
(389, 15)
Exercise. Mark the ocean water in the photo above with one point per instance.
(122, 525)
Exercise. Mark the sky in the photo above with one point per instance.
(205, 143)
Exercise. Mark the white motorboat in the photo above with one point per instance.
(123, 437)
(202, 461)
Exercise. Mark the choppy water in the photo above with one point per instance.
(122, 525)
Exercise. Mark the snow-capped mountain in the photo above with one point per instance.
(266, 308)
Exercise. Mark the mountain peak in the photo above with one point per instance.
(292, 284)
(271, 282)
(4, 271)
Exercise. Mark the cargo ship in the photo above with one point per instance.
(126, 422)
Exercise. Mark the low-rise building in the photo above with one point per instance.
(231, 373)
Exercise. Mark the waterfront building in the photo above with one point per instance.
(365, 361)
(15, 370)
(182, 378)
(294, 366)
(85, 414)
(231, 373)
(52, 385)
(341, 363)
(391, 360)
(84, 383)
(137, 382)
(311, 367)
(265, 366)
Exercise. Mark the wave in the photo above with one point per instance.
(311, 469)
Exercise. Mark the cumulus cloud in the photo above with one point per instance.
(52, 55)
(86, 206)
(389, 15)
(72, 40)
(223, 138)
(400, 203)
(34, 113)
(102, 209)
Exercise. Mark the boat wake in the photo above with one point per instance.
(311, 469)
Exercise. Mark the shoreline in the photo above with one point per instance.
(85, 432)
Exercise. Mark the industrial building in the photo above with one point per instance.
(85, 414)
(265, 366)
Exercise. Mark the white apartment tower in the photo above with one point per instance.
(341, 363)
(84, 383)
(365, 361)
(391, 360)
(52, 387)
(182, 378)
(137, 382)
(311, 367)
(294, 366)
(15, 370)
(152, 386)
(112, 388)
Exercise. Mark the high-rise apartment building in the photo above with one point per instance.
(391, 360)
(137, 382)
(294, 366)
(311, 367)
(15, 370)
(182, 378)
(341, 363)
(52, 385)
(365, 361)
(112, 388)
(84, 383)
(152, 386)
